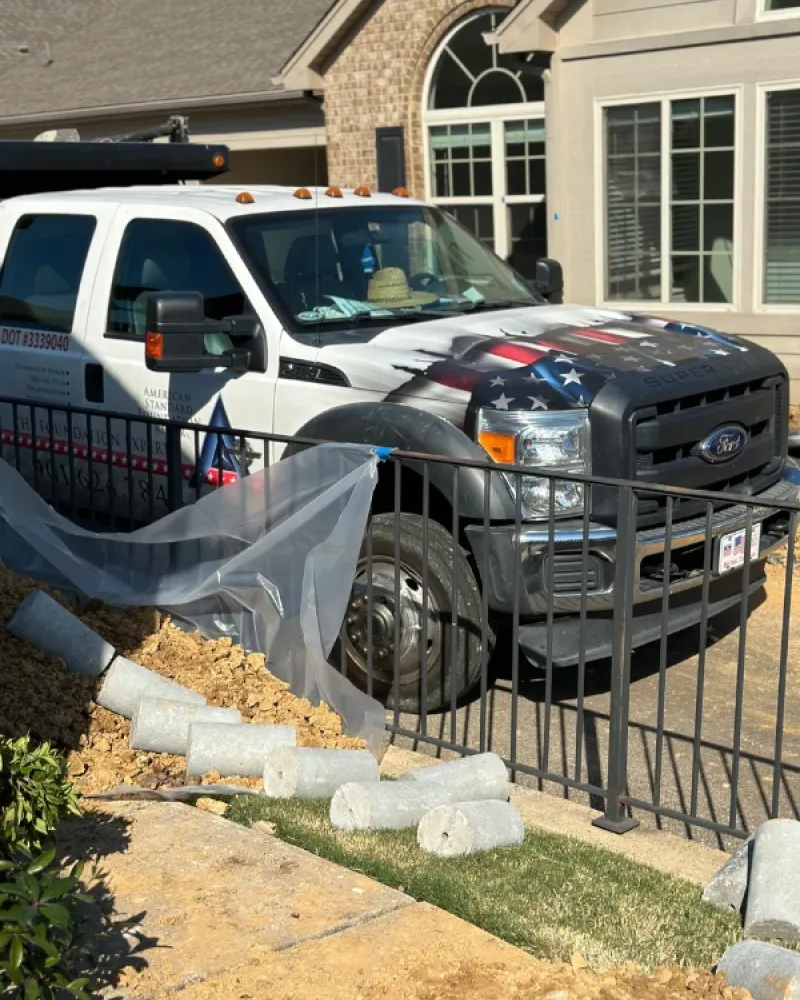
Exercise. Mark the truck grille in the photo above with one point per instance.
(666, 436)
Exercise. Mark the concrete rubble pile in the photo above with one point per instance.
(761, 883)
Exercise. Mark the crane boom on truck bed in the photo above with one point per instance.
(28, 167)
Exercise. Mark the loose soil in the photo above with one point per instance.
(444, 972)
(38, 695)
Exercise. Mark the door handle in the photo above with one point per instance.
(94, 383)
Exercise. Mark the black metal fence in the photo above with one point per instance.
(629, 645)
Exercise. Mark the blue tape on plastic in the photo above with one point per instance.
(383, 453)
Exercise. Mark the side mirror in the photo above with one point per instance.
(176, 332)
(549, 280)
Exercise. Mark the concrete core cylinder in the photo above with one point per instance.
(232, 750)
(773, 891)
(384, 805)
(480, 776)
(163, 726)
(126, 683)
(44, 624)
(470, 827)
(764, 970)
(314, 772)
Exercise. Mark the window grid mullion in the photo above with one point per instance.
(701, 212)
(666, 200)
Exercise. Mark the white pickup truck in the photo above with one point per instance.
(365, 317)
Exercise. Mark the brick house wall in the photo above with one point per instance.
(377, 80)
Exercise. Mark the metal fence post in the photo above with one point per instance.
(615, 818)
(174, 470)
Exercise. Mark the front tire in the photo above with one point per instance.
(412, 663)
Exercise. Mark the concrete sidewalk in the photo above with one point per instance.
(224, 911)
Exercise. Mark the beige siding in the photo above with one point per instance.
(635, 18)
(578, 28)
(577, 89)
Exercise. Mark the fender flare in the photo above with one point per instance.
(406, 428)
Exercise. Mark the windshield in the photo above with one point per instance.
(381, 262)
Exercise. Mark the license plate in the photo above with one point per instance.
(731, 548)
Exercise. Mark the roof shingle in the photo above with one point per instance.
(84, 55)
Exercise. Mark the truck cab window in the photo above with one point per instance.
(163, 255)
(42, 270)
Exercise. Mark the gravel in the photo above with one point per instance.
(39, 695)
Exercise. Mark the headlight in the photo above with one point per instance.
(557, 441)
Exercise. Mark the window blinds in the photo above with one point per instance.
(782, 209)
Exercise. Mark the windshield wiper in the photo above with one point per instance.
(500, 304)
(431, 313)
(364, 317)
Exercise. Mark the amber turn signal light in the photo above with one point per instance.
(500, 447)
(154, 346)
(219, 161)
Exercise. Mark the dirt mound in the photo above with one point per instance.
(40, 696)
(628, 982)
(451, 978)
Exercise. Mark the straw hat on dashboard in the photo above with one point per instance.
(389, 289)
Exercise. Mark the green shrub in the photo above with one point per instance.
(42, 939)
(35, 794)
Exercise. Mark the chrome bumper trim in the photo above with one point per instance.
(532, 543)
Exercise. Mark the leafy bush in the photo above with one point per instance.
(35, 794)
(42, 941)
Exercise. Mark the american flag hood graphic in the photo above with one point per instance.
(550, 357)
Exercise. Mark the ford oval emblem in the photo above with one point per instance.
(723, 444)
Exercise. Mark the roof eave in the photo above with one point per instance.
(524, 30)
(300, 78)
(303, 65)
(173, 106)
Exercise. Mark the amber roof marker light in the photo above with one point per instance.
(401, 192)
(245, 198)
(303, 194)
(362, 191)
(333, 192)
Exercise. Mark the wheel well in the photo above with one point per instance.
(411, 502)
(411, 496)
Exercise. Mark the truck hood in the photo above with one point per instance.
(545, 357)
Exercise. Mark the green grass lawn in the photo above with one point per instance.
(553, 896)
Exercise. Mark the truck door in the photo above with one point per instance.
(45, 288)
(147, 253)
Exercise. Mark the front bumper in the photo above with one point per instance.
(502, 552)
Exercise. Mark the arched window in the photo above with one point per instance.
(485, 142)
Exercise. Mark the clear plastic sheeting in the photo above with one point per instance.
(268, 561)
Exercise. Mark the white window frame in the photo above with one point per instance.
(495, 115)
(762, 14)
(760, 207)
(665, 99)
